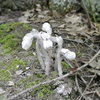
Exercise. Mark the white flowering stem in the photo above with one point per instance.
(58, 56)
(47, 64)
(47, 59)
(44, 56)
(40, 58)
(59, 63)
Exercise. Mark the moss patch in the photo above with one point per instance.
(11, 35)
(27, 82)
(12, 66)
(5, 28)
(40, 75)
(44, 91)
(10, 43)
(64, 64)
(5, 75)
(31, 81)
(41, 91)
(79, 54)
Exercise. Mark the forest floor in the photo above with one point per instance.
(20, 70)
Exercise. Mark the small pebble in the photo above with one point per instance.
(27, 68)
(17, 66)
(60, 89)
(1, 91)
(11, 83)
(34, 53)
(28, 74)
(19, 72)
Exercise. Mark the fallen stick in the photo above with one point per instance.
(82, 95)
(58, 78)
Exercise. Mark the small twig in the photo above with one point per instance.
(87, 87)
(81, 42)
(89, 92)
(98, 93)
(77, 84)
(93, 95)
(83, 80)
(95, 85)
(69, 63)
(58, 78)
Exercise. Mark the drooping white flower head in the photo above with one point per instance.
(47, 28)
(68, 54)
(27, 41)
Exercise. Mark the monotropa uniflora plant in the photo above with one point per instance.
(46, 48)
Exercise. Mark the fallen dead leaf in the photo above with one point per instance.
(95, 71)
(95, 64)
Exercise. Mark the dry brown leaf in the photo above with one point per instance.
(95, 64)
(95, 71)
(72, 19)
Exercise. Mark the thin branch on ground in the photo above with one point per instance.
(58, 78)
(89, 92)
(85, 82)
(81, 42)
(98, 93)
(87, 86)
(78, 87)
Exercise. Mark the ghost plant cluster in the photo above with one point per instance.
(48, 47)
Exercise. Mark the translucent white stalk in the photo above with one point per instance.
(47, 64)
(58, 56)
(39, 54)
(44, 56)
